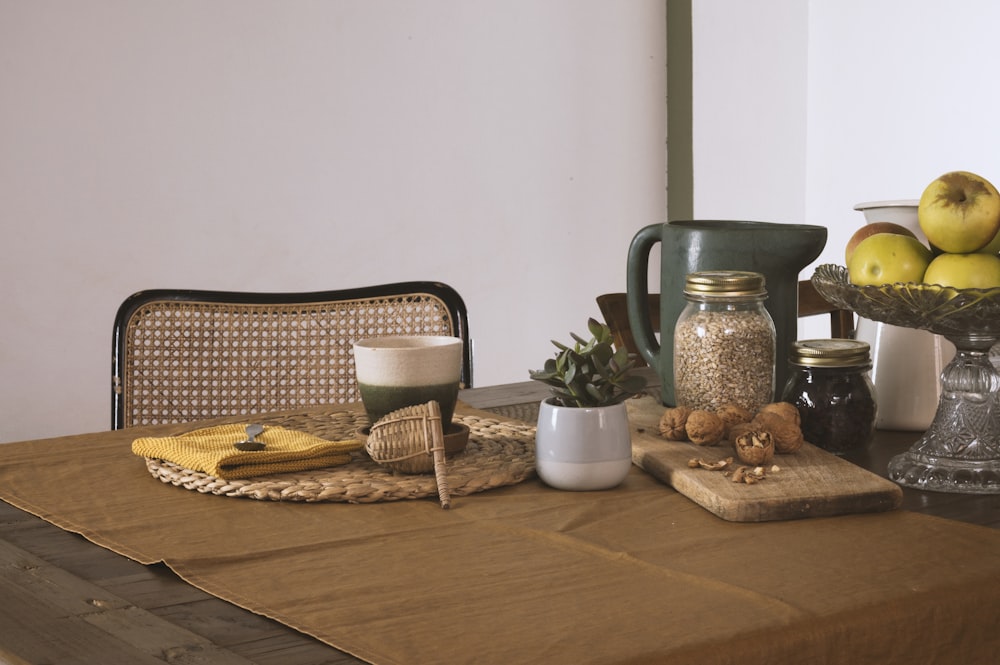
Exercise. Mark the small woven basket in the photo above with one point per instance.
(411, 440)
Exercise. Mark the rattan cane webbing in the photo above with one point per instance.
(499, 453)
(188, 361)
(528, 412)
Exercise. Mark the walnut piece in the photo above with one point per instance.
(755, 447)
(704, 428)
(786, 410)
(786, 435)
(747, 475)
(673, 423)
(721, 465)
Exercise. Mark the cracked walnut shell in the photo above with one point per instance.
(755, 447)
(787, 436)
(673, 423)
(704, 428)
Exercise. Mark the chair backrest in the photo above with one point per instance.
(615, 311)
(185, 355)
(613, 307)
(812, 303)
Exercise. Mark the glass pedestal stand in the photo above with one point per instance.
(960, 452)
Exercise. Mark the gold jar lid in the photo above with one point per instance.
(830, 353)
(725, 283)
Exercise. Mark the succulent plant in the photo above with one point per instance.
(591, 372)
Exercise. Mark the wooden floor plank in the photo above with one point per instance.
(39, 632)
(152, 587)
(61, 618)
(158, 590)
(254, 636)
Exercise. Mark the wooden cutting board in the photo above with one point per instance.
(810, 483)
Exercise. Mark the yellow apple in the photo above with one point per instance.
(870, 230)
(886, 258)
(975, 270)
(959, 212)
(994, 245)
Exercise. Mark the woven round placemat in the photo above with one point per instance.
(499, 453)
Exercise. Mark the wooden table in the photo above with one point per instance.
(66, 600)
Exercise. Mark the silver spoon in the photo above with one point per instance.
(250, 444)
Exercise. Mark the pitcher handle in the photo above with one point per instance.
(637, 293)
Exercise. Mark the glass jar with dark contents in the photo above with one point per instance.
(830, 385)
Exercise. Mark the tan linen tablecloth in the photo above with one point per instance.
(527, 574)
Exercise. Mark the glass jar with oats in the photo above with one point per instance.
(724, 342)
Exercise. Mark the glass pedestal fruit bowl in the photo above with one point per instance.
(960, 452)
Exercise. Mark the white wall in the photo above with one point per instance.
(907, 91)
(508, 147)
(298, 145)
(803, 109)
(749, 66)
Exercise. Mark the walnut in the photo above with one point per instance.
(786, 410)
(673, 423)
(787, 436)
(736, 430)
(704, 428)
(755, 447)
(733, 414)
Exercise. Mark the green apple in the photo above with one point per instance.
(887, 258)
(975, 270)
(870, 230)
(959, 212)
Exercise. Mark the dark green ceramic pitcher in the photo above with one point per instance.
(779, 251)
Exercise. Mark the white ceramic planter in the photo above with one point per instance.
(582, 448)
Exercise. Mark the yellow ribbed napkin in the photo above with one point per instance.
(211, 450)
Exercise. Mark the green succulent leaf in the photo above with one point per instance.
(592, 372)
(621, 359)
(570, 374)
(633, 384)
(596, 328)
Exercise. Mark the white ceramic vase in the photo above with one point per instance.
(581, 448)
(906, 362)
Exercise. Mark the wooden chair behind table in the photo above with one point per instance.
(185, 355)
(811, 303)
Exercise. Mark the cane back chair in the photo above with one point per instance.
(615, 311)
(184, 355)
